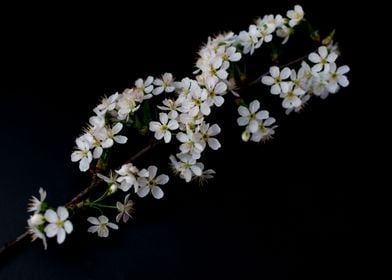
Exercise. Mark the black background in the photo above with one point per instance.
(274, 211)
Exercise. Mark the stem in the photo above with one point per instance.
(73, 203)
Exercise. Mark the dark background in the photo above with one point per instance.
(275, 211)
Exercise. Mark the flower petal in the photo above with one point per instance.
(51, 230)
(62, 212)
(143, 191)
(68, 227)
(60, 235)
(93, 220)
(51, 216)
(162, 179)
(157, 192)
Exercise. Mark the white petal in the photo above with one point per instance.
(112, 226)
(163, 118)
(76, 156)
(68, 227)
(157, 192)
(323, 51)
(167, 137)
(242, 121)
(253, 126)
(275, 90)
(254, 106)
(173, 125)
(157, 91)
(214, 130)
(332, 57)
(97, 152)
(93, 229)
(269, 122)
(315, 58)
(117, 128)
(243, 111)
(214, 144)
(84, 164)
(152, 171)
(218, 101)
(343, 70)
(285, 74)
(274, 71)
(60, 236)
(108, 143)
(51, 230)
(182, 137)
(62, 213)
(262, 115)
(120, 139)
(267, 80)
(343, 81)
(51, 216)
(162, 179)
(317, 68)
(155, 126)
(196, 170)
(93, 220)
(143, 191)
(103, 219)
(103, 231)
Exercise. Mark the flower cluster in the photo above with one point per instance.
(46, 222)
(321, 78)
(185, 106)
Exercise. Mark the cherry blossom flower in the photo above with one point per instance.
(322, 59)
(83, 155)
(296, 15)
(166, 84)
(35, 204)
(58, 224)
(251, 117)
(101, 225)
(276, 80)
(125, 210)
(163, 128)
(152, 183)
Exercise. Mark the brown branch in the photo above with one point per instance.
(73, 203)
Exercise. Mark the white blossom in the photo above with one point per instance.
(58, 224)
(100, 226)
(207, 134)
(292, 96)
(83, 154)
(296, 15)
(35, 204)
(36, 233)
(187, 167)
(277, 79)
(152, 183)
(251, 117)
(127, 178)
(125, 209)
(107, 104)
(163, 128)
(322, 59)
(166, 84)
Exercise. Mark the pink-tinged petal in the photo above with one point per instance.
(93, 220)
(68, 227)
(157, 192)
(267, 80)
(274, 71)
(315, 58)
(51, 230)
(152, 171)
(60, 235)
(285, 74)
(103, 219)
(275, 89)
(112, 226)
(254, 106)
(62, 213)
(143, 191)
(162, 179)
(51, 216)
(214, 144)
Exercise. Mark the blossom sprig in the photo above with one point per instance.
(183, 116)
